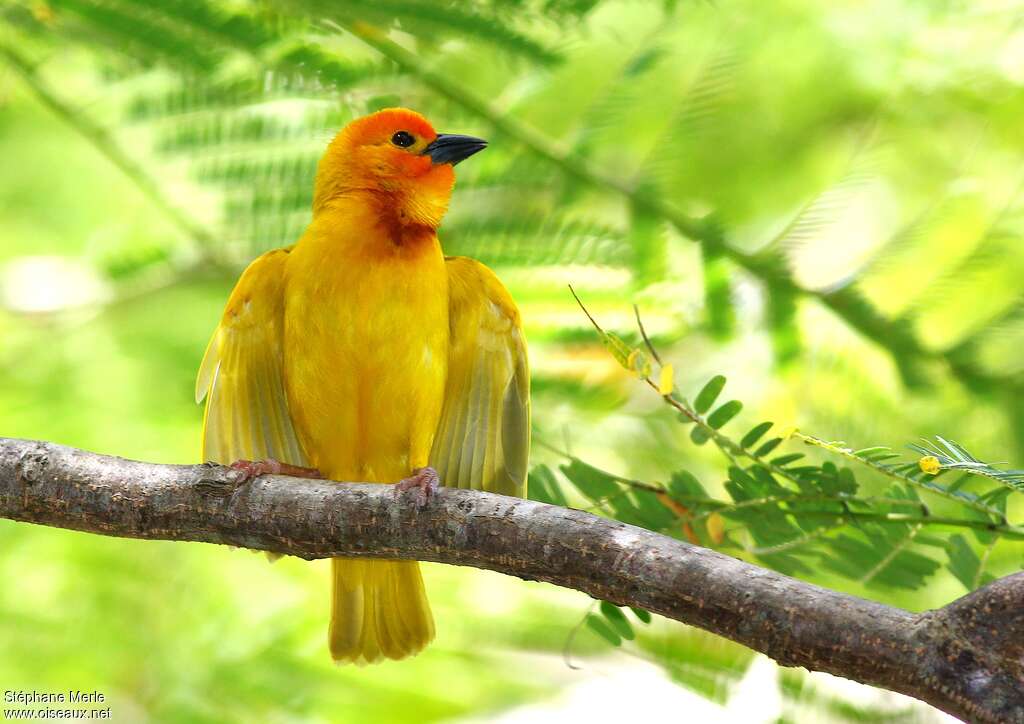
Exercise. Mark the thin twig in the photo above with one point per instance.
(777, 501)
(643, 334)
(585, 310)
(889, 472)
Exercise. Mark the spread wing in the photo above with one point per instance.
(242, 377)
(483, 439)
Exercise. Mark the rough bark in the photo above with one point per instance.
(966, 659)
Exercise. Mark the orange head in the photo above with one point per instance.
(398, 159)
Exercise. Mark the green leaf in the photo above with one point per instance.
(963, 561)
(639, 364)
(958, 483)
(965, 564)
(883, 552)
(769, 485)
(707, 396)
(755, 434)
(699, 435)
(618, 620)
(768, 447)
(833, 480)
(868, 452)
(650, 512)
(997, 501)
(618, 349)
(592, 482)
(641, 614)
(544, 488)
(640, 508)
(768, 525)
(723, 414)
(601, 627)
(684, 486)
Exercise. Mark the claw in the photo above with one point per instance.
(252, 469)
(424, 480)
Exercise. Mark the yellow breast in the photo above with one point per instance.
(366, 335)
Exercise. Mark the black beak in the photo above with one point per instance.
(452, 148)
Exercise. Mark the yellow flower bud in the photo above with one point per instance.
(930, 465)
(716, 528)
(666, 382)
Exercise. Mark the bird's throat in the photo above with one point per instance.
(391, 222)
(373, 226)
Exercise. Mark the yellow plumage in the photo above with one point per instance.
(365, 353)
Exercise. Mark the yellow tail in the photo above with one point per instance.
(379, 610)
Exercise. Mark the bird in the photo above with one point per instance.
(363, 353)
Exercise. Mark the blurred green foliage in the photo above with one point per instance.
(821, 202)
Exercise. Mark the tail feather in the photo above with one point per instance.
(379, 610)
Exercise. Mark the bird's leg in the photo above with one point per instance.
(252, 469)
(424, 480)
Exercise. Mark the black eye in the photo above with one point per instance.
(403, 139)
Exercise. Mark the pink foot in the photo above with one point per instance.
(424, 480)
(252, 469)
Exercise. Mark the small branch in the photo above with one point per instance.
(846, 514)
(643, 335)
(965, 659)
(890, 472)
(723, 442)
(733, 450)
(586, 311)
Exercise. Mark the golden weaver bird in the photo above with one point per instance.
(362, 353)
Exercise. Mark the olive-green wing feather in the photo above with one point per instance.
(483, 439)
(241, 375)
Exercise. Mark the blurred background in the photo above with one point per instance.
(820, 201)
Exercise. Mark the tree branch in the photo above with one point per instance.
(966, 658)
